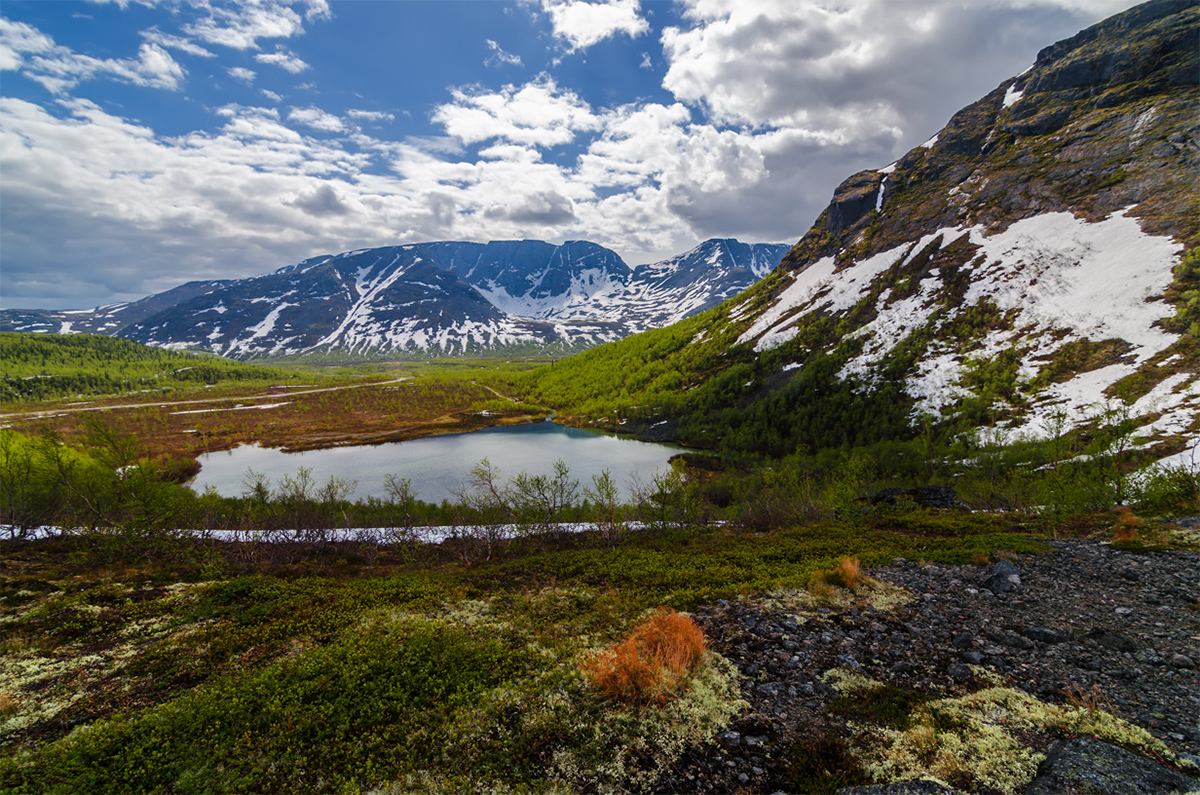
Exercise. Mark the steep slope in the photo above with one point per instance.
(1032, 265)
(387, 300)
(108, 319)
(429, 298)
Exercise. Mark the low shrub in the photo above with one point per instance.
(1126, 527)
(653, 664)
(846, 574)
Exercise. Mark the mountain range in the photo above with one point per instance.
(428, 299)
(1034, 266)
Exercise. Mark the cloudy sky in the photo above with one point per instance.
(147, 143)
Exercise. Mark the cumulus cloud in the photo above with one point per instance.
(317, 119)
(242, 73)
(320, 202)
(499, 57)
(271, 95)
(24, 48)
(544, 208)
(283, 59)
(581, 23)
(538, 113)
(842, 72)
(240, 26)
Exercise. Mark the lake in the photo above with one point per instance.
(437, 465)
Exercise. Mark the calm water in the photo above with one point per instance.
(438, 464)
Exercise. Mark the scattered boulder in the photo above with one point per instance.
(1112, 640)
(1003, 577)
(1046, 635)
(923, 496)
(1092, 767)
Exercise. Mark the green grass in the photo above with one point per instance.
(435, 675)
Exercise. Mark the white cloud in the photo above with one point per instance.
(59, 69)
(241, 73)
(17, 40)
(271, 95)
(283, 59)
(317, 119)
(499, 57)
(371, 115)
(156, 36)
(581, 23)
(538, 113)
(241, 26)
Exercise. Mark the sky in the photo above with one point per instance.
(146, 143)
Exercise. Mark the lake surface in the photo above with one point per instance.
(437, 465)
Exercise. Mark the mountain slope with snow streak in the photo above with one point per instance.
(1049, 233)
(444, 298)
(1032, 267)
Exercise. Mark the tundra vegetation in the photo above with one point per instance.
(319, 644)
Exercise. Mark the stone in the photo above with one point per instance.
(962, 640)
(1002, 583)
(957, 670)
(901, 788)
(1182, 661)
(973, 657)
(1112, 640)
(1092, 767)
(729, 739)
(1046, 635)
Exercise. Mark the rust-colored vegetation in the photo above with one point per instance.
(294, 418)
(653, 664)
(1126, 527)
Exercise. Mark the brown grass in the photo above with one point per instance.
(1093, 700)
(654, 663)
(9, 705)
(1126, 527)
(846, 574)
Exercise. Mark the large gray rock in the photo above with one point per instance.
(1091, 767)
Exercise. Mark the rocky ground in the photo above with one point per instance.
(1118, 628)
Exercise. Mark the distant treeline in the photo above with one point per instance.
(49, 366)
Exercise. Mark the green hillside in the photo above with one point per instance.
(905, 277)
(48, 366)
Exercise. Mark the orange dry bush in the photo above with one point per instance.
(845, 574)
(653, 663)
(1126, 528)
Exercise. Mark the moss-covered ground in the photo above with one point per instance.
(203, 673)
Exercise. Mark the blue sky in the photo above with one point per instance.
(145, 144)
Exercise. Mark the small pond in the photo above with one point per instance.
(437, 465)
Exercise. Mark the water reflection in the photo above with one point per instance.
(438, 464)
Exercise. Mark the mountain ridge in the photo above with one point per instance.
(1036, 259)
(428, 299)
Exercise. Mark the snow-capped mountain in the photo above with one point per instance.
(1037, 260)
(1031, 269)
(429, 298)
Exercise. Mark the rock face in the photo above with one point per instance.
(1031, 258)
(429, 298)
(1091, 767)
